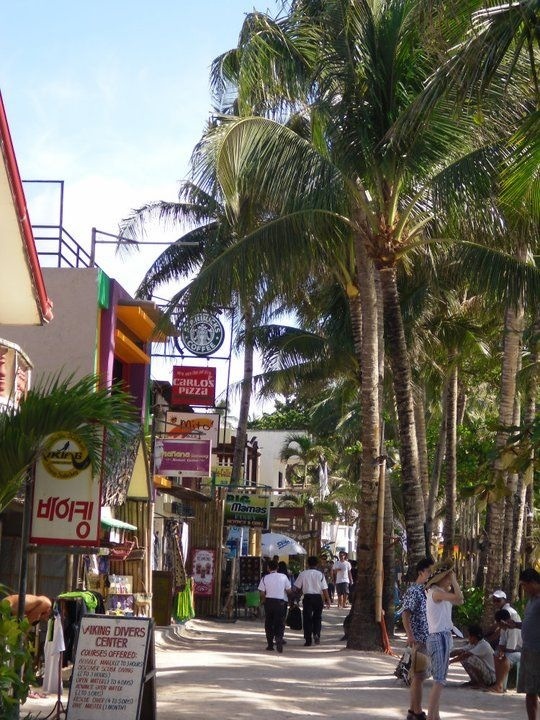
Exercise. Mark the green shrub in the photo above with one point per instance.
(471, 611)
(16, 670)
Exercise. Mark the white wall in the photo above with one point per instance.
(68, 342)
(270, 445)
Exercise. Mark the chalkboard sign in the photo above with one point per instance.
(112, 663)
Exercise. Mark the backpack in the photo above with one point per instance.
(294, 618)
(403, 667)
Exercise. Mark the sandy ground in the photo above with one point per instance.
(210, 669)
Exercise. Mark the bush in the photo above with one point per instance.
(471, 611)
(16, 671)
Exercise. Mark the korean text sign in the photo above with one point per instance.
(66, 497)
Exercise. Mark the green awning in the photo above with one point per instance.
(114, 523)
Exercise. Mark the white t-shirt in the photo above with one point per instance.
(342, 568)
(439, 614)
(311, 582)
(275, 586)
(484, 651)
(510, 638)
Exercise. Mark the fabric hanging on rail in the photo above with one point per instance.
(183, 607)
(173, 558)
(54, 647)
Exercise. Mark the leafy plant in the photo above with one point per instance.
(471, 611)
(16, 669)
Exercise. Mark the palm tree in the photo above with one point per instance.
(80, 407)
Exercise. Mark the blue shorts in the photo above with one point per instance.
(439, 646)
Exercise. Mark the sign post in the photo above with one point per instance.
(114, 670)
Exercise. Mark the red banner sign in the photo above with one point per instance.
(193, 386)
(203, 571)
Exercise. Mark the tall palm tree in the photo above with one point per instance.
(80, 407)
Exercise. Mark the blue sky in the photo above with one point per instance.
(110, 97)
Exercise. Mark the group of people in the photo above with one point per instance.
(427, 619)
(277, 592)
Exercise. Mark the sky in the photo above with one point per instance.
(111, 97)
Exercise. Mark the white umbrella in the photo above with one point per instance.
(277, 544)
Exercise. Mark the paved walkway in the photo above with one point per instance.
(213, 669)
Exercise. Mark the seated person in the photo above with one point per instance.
(508, 651)
(477, 658)
(36, 607)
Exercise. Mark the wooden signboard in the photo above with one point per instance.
(114, 670)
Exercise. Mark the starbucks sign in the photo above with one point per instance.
(202, 334)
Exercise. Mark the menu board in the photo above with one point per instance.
(109, 668)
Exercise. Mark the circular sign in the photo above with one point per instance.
(202, 334)
(65, 455)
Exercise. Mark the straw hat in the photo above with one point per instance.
(419, 661)
(438, 572)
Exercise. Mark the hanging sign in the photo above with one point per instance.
(246, 510)
(203, 568)
(193, 386)
(66, 497)
(192, 426)
(178, 457)
(202, 334)
(112, 658)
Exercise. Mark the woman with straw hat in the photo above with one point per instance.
(443, 592)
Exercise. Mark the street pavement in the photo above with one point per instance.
(210, 669)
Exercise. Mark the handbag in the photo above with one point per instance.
(294, 618)
(402, 671)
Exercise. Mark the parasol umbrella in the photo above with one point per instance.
(277, 544)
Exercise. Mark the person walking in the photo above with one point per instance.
(415, 624)
(342, 579)
(315, 589)
(274, 588)
(443, 592)
(529, 668)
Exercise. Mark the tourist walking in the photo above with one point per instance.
(415, 624)
(342, 579)
(443, 592)
(275, 589)
(312, 584)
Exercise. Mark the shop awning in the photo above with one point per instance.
(183, 493)
(119, 524)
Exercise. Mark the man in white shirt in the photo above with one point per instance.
(508, 651)
(315, 588)
(476, 658)
(274, 588)
(342, 578)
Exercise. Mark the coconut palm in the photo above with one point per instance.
(81, 407)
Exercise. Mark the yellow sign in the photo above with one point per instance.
(65, 455)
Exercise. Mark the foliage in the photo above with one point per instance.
(471, 610)
(286, 416)
(16, 671)
(81, 407)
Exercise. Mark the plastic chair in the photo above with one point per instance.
(253, 601)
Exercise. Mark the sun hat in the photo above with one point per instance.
(438, 572)
(499, 594)
(419, 661)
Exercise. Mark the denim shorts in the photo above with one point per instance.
(439, 646)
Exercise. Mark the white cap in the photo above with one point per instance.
(499, 594)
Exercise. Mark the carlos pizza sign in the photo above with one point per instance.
(193, 386)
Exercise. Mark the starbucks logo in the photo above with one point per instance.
(202, 334)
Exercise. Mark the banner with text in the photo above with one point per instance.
(109, 668)
(182, 457)
(203, 565)
(247, 510)
(193, 426)
(66, 498)
(193, 386)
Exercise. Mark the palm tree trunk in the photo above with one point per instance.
(245, 399)
(364, 632)
(396, 347)
(449, 531)
(436, 471)
(420, 422)
(513, 330)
